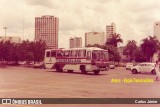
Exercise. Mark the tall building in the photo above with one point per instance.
(75, 42)
(92, 38)
(110, 29)
(11, 39)
(46, 29)
(157, 30)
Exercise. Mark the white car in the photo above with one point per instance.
(111, 66)
(39, 64)
(144, 67)
(129, 66)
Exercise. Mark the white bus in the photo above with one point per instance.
(84, 59)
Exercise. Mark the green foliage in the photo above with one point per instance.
(25, 51)
(150, 46)
(139, 56)
(114, 40)
(130, 49)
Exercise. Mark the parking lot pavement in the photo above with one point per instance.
(23, 82)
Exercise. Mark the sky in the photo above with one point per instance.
(134, 19)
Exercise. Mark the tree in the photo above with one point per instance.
(113, 53)
(38, 49)
(25, 51)
(139, 56)
(114, 40)
(130, 49)
(150, 46)
(1, 51)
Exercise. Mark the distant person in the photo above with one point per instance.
(157, 71)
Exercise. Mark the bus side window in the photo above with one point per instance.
(48, 54)
(73, 53)
(59, 54)
(53, 53)
(84, 53)
(81, 53)
(70, 54)
(66, 53)
(94, 56)
(78, 54)
(88, 55)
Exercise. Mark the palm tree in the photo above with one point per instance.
(130, 49)
(114, 40)
(150, 46)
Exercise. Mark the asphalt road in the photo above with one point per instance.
(24, 82)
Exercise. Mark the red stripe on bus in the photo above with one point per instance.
(69, 58)
(81, 63)
(49, 63)
(71, 63)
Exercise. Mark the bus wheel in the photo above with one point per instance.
(153, 71)
(58, 69)
(70, 71)
(96, 72)
(83, 69)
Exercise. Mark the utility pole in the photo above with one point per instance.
(5, 31)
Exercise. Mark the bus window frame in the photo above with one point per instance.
(106, 55)
(66, 53)
(96, 52)
(88, 56)
(59, 54)
(48, 55)
(55, 53)
(77, 53)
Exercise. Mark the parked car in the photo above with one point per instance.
(111, 66)
(144, 67)
(39, 64)
(22, 62)
(129, 66)
(14, 63)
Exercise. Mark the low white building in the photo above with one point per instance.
(92, 38)
(11, 39)
(155, 57)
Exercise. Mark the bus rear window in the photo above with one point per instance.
(53, 53)
(48, 54)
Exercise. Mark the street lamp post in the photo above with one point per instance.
(5, 31)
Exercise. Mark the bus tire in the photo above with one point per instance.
(153, 71)
(96, 72)
(134, 71)
(58, 69)
(70, 71)
(83, 69)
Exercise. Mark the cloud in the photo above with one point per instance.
(134, 19)
(43, 3)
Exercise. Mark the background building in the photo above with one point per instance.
(92, 38)
(46, 29)
(75, 42)
(157, 30)
(110, 29)
(11, 39)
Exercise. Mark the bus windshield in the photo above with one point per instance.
(97, 55)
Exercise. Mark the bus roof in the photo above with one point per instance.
(84, 48)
